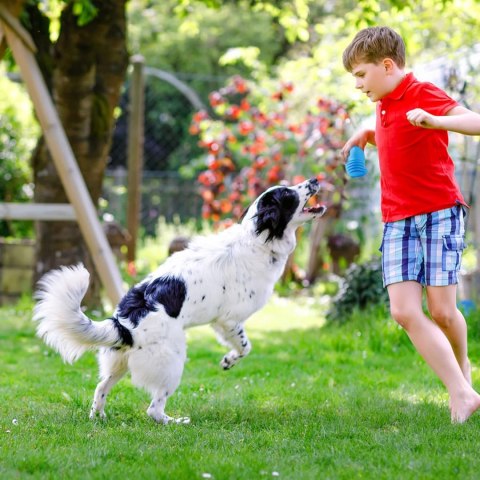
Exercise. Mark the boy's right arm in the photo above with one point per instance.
(459, 119)
(360, 139)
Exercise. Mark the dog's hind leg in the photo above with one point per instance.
(113, 366)
(158, 367)
(236, 338)
(156, 410)
(164, 375)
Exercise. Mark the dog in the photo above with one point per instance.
(220, 279)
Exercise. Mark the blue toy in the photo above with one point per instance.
(355, 165)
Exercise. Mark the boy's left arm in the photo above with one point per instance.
(459, 119)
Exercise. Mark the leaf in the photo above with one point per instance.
(85, 11)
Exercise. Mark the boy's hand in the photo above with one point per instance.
(360, 139)
(421, 118)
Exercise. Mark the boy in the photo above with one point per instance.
(422, 206)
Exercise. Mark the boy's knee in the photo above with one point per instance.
(443, 318)
(402, 314)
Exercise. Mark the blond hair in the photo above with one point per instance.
(372, 45)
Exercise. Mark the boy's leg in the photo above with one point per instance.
(433, 346)
(442, 305)
(443, 243)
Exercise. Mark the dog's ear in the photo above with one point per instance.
(268, 219)
(274, 210)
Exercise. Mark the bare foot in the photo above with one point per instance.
(462, 409)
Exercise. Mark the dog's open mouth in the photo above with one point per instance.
(316, 209)
(313, 207)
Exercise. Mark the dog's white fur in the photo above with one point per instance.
(221, 279)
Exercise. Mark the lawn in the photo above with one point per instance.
(312, 401)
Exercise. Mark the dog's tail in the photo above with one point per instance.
(61, 322)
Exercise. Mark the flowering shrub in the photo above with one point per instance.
(256, 141)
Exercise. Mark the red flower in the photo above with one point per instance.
(245, 127)
(234, 112)
(215, 99)
(240, 84)
(244, 105)
(255, 144)
(199, 116)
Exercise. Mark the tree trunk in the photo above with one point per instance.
(88, 70)
(14, 7)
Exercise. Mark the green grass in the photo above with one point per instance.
(312, 401)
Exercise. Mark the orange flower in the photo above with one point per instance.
(225, 206)
(193, 129)
(207, 196)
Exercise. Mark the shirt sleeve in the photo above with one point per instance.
(434, 100)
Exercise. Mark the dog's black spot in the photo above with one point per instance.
(169, 292)
(133, 305)
(203, 298)
(123, 332)
(274, 210)
(146, 297)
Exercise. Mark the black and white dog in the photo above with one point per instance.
(221, 279)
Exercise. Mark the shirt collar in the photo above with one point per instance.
(397, 94)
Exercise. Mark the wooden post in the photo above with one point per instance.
(135, 153)
(65, 162)
(37, 211)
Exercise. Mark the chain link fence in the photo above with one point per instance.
(170, 101)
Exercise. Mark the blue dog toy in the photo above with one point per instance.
(355, 165)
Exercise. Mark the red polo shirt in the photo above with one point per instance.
(416, 171)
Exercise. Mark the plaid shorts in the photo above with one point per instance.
(425, 248)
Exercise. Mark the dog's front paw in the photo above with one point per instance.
(229, 360)
(100, 413)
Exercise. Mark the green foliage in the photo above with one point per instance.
(362, 287)
(85, 11)
(195, 42)
(17, 139)
(291, 16)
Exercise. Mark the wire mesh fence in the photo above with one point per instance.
(170, 101)
(163, 194)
